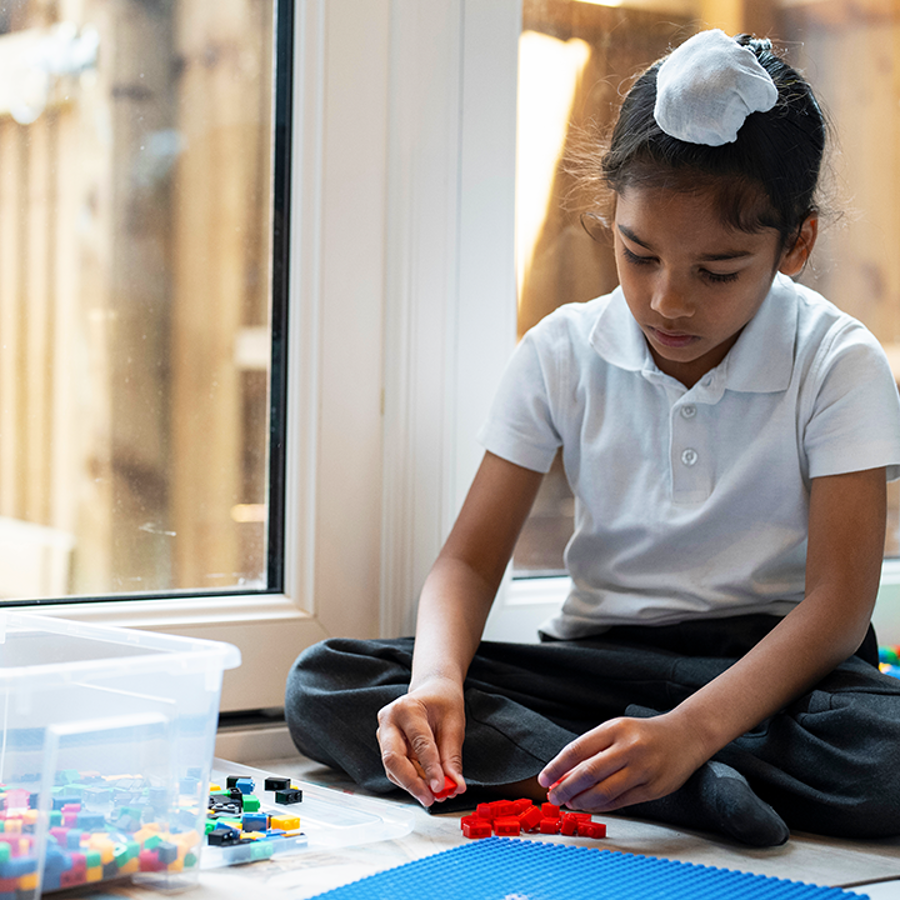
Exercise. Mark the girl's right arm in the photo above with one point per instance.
(421, 733)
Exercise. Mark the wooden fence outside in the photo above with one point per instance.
(134, 254)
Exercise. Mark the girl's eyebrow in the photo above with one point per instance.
(707, 257)
(625, 230)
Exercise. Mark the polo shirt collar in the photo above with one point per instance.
(761, 361)
(617, 337)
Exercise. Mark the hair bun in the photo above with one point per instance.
(706, 88)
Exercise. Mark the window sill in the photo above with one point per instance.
(886, 617)
(178, 612)
(522, 605)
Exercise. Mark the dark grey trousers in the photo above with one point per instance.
(828, 763)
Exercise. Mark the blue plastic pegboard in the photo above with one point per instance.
(509, 869)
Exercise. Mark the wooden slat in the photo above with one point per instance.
(38, 321)
(8, 317)
(89, 150)
(141, 109)
(12, 359)
(218, 209)
(855, 263)
(841, 14)
(68, 462)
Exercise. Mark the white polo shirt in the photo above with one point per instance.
(693, 503)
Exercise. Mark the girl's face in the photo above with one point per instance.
(691, 282)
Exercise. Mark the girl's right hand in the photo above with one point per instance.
(421, 736)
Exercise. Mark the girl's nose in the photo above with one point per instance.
(671, 300)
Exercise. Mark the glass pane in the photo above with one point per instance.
(575, 60)
(136, 301)
(570, 72)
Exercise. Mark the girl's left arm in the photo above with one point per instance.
(626, 761)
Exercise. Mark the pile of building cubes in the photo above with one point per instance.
(510, 818)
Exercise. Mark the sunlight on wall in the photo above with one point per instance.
(549, 70)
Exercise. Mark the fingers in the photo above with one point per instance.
(619, 763)
(593, 785)
(410, 761)
(410, 753)
(614, 792)
(604, 769)
(450, 747)
(398, 764)
(567, 774)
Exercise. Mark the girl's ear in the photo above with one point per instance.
(795, 257)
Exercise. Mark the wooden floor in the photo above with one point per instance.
(403, 831)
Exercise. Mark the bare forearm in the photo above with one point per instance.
(453, 608)
(460, 588)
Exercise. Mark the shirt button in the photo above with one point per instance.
(688, 412)
(689, 457)
(707, 381)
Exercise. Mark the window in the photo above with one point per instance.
(575, 57)
(142, 364)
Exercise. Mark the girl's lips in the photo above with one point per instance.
(674, 339)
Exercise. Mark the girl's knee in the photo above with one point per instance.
(344, 664)
(315, 697)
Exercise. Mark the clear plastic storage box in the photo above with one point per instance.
(105, 755)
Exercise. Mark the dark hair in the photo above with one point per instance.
(767, 178)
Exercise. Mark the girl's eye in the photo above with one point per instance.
(705, 274)
(719, 278)
(635, 259)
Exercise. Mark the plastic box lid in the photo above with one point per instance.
(44, 649)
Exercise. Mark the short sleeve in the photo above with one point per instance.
(520, 425)
(855, 418)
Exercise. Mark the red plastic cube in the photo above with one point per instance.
(592, 830)
(530, 819)
(503, 808)
(449, 787)
(477, 828)
(507, 826)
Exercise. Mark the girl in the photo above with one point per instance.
(728, 435)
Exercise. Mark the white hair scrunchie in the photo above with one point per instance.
(707, 87)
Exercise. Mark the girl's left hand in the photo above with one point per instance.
(622, 762)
